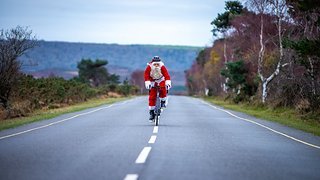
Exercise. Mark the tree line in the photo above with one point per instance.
(267, 51)
(21, 94)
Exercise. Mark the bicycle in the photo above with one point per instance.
(158, 110)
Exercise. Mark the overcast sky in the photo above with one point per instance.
(170, 22)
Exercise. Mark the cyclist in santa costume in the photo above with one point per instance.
(156, 75)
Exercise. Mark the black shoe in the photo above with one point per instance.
(152, 115)
(163, 104)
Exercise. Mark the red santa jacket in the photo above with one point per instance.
(157, 75)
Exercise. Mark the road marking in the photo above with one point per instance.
(155, 129)
(57, 122)
(143, 155)
(266, 127)
(152, 139)
(131, 177)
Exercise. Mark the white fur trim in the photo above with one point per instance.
(161, 64)
(151, 107)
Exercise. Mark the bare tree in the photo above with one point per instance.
(264, 8)
(279, 9)
(137, 78)
(13, 43)
(260, 6)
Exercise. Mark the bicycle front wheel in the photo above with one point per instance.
(156, 120)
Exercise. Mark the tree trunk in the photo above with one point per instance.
(225, 49)
(266, 81)
(313, 86)
(264, 91)
(260, 60)
(225, 88)
(206, 90)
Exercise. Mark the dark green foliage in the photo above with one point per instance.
(305, 5)
(306, 50)
(46, 91)
(201, 58)
(126, 89)
(95, 73)
(234, 7)
(30, 93)
(114, 79)
(304, 47)
(222, 22)
(237, 73)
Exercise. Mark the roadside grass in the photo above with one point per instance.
(285, 116)
(39, 115)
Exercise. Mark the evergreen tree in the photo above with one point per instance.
(93, 73)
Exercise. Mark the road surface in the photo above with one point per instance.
(195, 140)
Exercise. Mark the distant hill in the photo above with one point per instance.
(61, 58)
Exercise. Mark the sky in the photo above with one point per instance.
(162, 22)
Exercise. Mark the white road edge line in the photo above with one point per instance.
(266, 127)
(143, 155)
(57, 122)
(131, 177)
(155, 129)
(152, 139)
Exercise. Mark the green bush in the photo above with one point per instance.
(126, 89)
(30, 93)
(45, 92)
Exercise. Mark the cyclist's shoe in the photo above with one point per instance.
(163, 104)
(152, 115)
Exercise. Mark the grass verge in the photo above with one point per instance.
(285, 116)
(51, 113)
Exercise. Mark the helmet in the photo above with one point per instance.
(156, 59)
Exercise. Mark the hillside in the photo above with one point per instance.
(61, 58)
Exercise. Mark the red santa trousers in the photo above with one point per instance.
(153, 94)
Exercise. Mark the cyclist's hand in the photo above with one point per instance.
(168, 84)
(147, 84)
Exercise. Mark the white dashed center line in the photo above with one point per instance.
(152, 139)
(155, 129)
(143, 155)
(131, 177)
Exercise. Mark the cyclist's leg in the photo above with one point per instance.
(163, 96)
(152, 102)
(152, 98)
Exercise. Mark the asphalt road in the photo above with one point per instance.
(194, 141)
